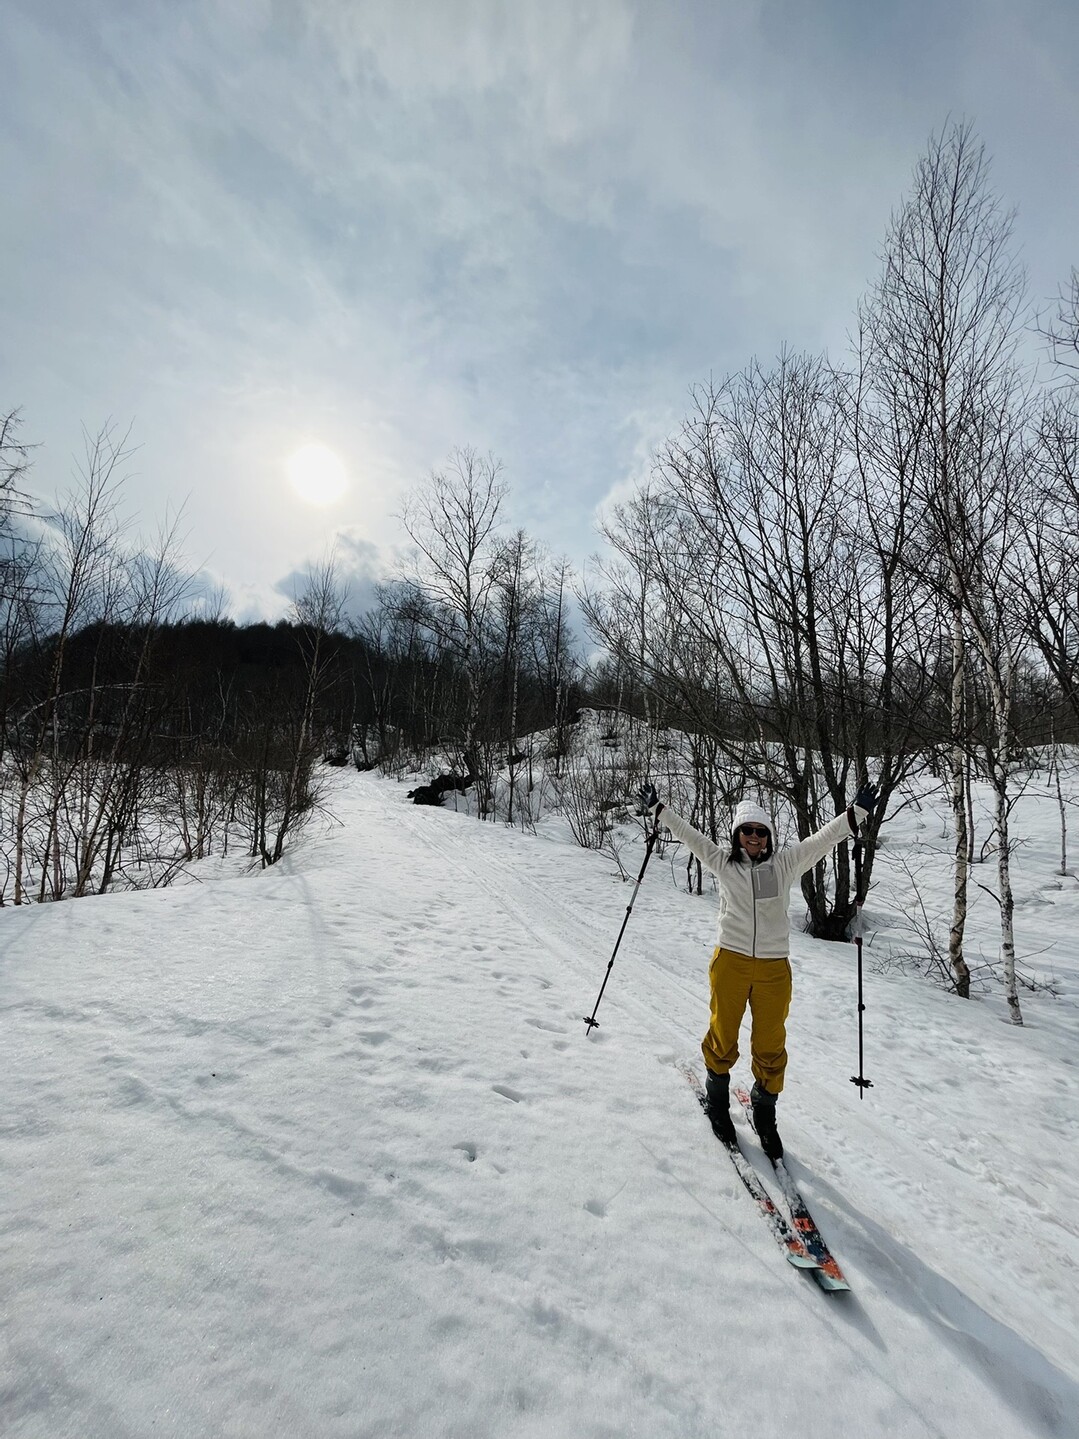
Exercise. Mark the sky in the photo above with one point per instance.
(390, 230)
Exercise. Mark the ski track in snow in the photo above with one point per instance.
(326, 1151)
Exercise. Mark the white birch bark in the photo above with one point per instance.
(1063, 816)
(1007, 901)
(959, 814)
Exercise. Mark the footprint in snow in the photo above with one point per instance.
(131, 1090)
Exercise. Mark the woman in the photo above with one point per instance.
(750, 964)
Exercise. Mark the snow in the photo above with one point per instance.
(325, 1151)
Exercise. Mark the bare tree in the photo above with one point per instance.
(81, 582)
(552, 650)
(515, 597)
(741, 591)
(990, 564)
(318, 610)
(1062, 331)
(14, 466)
(1050, 574)
(943, 320)
(453, 521)
(84, 704)
(113, 762)
(387, 636)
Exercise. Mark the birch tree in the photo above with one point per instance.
(944, 317)
(991, 560)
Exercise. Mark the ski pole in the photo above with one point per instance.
(859, 1079)
(591, 1022)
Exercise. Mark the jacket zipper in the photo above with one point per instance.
(753, 901)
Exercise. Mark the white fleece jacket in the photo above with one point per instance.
(754, 897)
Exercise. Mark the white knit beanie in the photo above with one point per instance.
(750, 813)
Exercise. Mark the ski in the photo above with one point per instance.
(796, 1251)
(828, 1274)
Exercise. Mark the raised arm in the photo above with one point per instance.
(713, 856)
(807, 852)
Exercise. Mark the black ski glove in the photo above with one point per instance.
(648, 799)
(866, 798)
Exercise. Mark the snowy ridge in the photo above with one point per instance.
(325, 1151)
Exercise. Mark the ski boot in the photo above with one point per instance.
(764, 1120)
(717, 1090)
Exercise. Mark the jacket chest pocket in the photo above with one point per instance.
(765, 882)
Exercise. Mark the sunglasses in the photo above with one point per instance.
(754, 831)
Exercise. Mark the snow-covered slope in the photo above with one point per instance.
(325, 1151)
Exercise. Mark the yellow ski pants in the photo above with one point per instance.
(763, 984)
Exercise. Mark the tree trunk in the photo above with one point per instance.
(1007, 901)
(1063, 815)
(959, 814)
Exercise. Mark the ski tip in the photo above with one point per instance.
(830, 1284)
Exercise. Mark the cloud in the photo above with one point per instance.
(358, 569)
(395, 229)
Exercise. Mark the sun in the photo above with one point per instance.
(317, 474)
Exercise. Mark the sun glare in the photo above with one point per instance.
(316, 474)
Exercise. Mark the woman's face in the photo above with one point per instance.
(754, 839)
